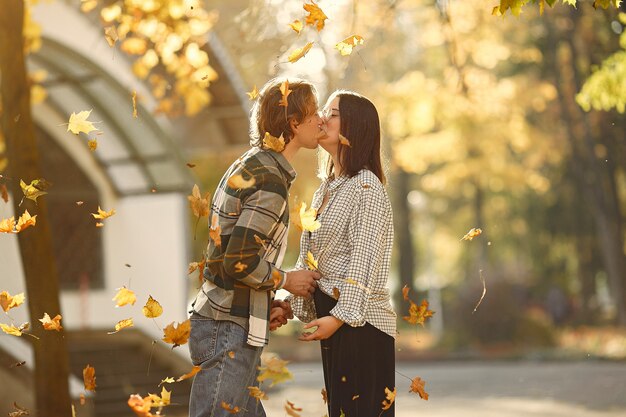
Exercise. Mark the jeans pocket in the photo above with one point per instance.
(202, 340)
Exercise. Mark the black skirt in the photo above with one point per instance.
(359, 363)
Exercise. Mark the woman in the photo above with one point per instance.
(351, 308)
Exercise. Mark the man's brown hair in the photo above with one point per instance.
(268, 116)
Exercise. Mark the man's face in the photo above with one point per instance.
(306, 134)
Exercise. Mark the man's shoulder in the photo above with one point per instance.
(259, 163)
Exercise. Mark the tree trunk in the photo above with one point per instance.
(403, 233)
(50, 352)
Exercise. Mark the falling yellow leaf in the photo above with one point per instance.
(7, 225)
(89, 378)
(252, 95)
(240, 267)
(134, 99)
(297, 26)
(215, 231)
(291, 409)
(285, 91)
(417, 386)
(122, 324)
(8, 302)
(92, 144)
(152, 309)
(101, 215)
(189, 374)
(99, 224)
(230, 408)
(275, 369)
(20, 411)
(405, 293)
(35, 189)
(140, 406)
(193, 266)
(237, 182)
(177, 335)
(110, 34)
(168, 380)
(472, 234)
(345, 46)
(418, 314)
(310, 262)
(124, 296)
(255, 392)
(79, 123)
(51, 324)
(299, 53)
(160, 401)
(277, 278)
(344, 141)
(308, 219)
(12, 330)
(391, 397)
(316, 16)
(336, 293)
(274, 143)
(199, 205)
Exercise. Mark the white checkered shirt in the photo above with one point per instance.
(353, 250)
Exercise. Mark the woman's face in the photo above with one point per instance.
(332, 123)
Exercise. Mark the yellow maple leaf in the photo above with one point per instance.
(308, 218)
(101, 215)
(110, 34)
(160, 401)
(8, 302)
(152, 309)
(273, 143)
(299, 53)
(177, 335)
(311, 262)
(344, 141)
(297, 26)
(12, 330)
(199, 205)
(291, 409)
(232, 409)
(189, 374)
(418, 314)
(7, 225)
(140, 406)
(390, 398)
(255, 392)
(285, 91)
(35, 189)
(252, 95)
(122, 324)
(472, 234)
(237, 182)
(25, 221)
(215, 231)
(89, 378)
(168, 380)
(79, 123)
(124, 296)
(275, 369)
(316, 16)
(51, 324)
(417, 386)
(345, 46)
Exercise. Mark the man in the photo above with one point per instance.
(249, 219)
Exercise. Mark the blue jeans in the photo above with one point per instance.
(229, 367)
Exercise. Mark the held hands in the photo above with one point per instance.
(326, 327)
(302, 282)
(280, 313)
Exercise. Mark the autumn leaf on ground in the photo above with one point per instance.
(345, 46)
(472, 234)
(152, 309)
(311, 262)
(11, 329)
(418, 314)
(230, 408)
(215, 231)
(7, 301)
(252, 95)
(297, 26)
(275, 369)
(189, 374)
(390, 398)
(101, 215)
(122, 324)
(79, 123)
(308, 219)
(51, 324)
(255, 392)
(89, 378)
(177, 335)
(316, 16)
(299, 53)
(199, 205)
(140, 406)
(110, 34)
(237, 182)
(405, 293)
(19, 411)
(417, 387)
(291, 409)
(4, 193)
(35, 189)
(273, 143)
(285, 91)
(124, 296)
(134, 99)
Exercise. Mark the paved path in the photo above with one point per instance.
(482, 389)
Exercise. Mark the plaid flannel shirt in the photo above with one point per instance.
(242, 273)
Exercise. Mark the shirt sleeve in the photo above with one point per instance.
(366, 230)
(260, 214)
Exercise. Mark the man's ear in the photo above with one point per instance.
(293, 124)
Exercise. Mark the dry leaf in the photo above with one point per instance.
(168, 380)
(255, 392)
(277, 277)
(35, 189)
(110, 34)
(4, 193)
(99, 224)
(152, 309)
(124, 296)
(7, 301)
(11, 330)
(79, 123)
(336, 293)
(285, 91)
(92, 144)
(297, 26)
(237, 182)
(418, 314)
(324, 396)
(215, 231)
(310, 262)
(191, 165)
(344, 141)
(134, 99)
(230, 408)
(299, 53)
(316, 16)
(122, 324)
(177, 335)
(472, 234)
(80, 203)
(7, 225)
(345, 46)
(274, 143)
(405, 293)
(101, 215)
(197, 266)
(51, 324)
(417, 386)
(189, 374)
(25, 221)
(83, 400)
(140, 406)
(199, 205)
(231, 354)
(160, 401)
(252, 95)
(308, 219)
(355, 397)
(391, 397)
(275, 369)
(89, 378)
(20, 411)
(291, 409)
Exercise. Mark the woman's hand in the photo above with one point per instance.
(326, 327)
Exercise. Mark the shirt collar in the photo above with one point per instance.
(283, 164)
(333, 183)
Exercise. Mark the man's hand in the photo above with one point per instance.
(286, 306)
(279, 314)
(302, 282)
(326, 327)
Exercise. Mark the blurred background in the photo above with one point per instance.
(505, 116)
